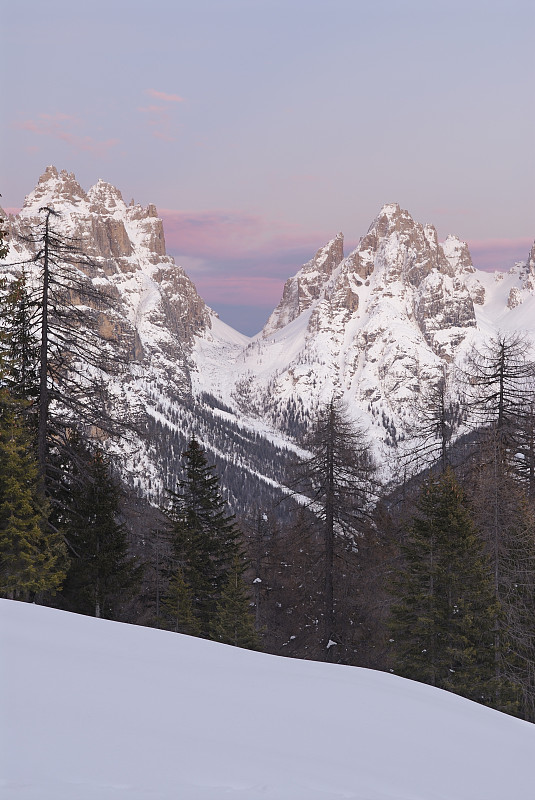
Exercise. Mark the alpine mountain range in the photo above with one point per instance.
(378, 328)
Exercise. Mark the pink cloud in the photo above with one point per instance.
(152, 109)
(237, 258)
(57, 126)
(60, 117)
(499, 254)
(208, 234)
(234, 234)
(169, 98)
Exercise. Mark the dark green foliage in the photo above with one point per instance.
(252, 453)
(178, 605)
(517, 592)
(205, 542)
(102, 573)
(444, 614)
(232, 622)
(33, 557)
(19, 342)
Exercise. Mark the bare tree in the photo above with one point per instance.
(63, 312)
(499, 379)
(438, 418)
(338, 481)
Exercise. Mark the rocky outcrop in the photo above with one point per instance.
(444, 305)
(531, 259)
(302, 289)
(54, 187)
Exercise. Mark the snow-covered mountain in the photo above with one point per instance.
(377, 327)
(99, 710)
(156, 325)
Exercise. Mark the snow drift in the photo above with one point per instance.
(97, 710)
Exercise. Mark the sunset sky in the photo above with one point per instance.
(261, 128)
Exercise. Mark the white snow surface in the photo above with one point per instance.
(98, 710)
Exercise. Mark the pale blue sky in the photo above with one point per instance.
(261, 128)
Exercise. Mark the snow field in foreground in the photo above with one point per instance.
(97, 710)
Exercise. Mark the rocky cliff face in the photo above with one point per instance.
(302, 289)
(127, 245)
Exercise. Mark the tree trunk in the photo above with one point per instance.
(43, 362)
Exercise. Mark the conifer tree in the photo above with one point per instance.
(178, 604)
(33, 557)
(101, 572)
(232, 622)
(501, 377)
(19, 344)
(338, 479)
(444, 611)
(438, 417)
(517, 592)
(205, 539)
(60, 358)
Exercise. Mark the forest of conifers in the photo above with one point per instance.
(432, 579)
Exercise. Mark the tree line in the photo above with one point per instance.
(433, 579)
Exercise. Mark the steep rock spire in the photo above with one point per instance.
(305, 287)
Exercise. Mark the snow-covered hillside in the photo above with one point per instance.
(97, 710)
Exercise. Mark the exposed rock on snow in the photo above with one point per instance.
(300, 291)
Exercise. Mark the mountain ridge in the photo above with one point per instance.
(378, 327)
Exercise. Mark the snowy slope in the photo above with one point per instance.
(97, 710)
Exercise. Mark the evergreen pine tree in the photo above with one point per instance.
(205, 539)
(232, 622)
(19, 344)
(178, 604)
(33, 557)
(444, 612)
(101, 571)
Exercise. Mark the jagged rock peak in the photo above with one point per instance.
(457, 254)
(302, 289)
(407, 250)
(106, 197)
(531, 259)
(54, 187)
